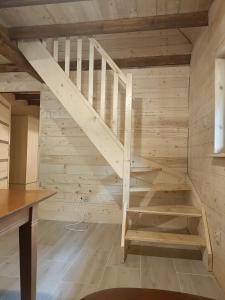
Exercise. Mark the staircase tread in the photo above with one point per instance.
(159, 187)
(165, 238)
(168, 210)
(144, 169)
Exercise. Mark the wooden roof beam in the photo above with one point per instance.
(123, 63)
(195, 19)
(12, 53)
(21, 3)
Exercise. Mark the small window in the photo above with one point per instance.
(219, 135)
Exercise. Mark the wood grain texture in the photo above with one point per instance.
(13, 200)
(185, 20)
(5, 124)
(133, 62)
(75, 264)
(164, 238)
(96, 10)
(87, 187)
(12, 53)
(207, 173)
(16, 3)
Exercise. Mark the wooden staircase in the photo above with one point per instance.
(115, 148)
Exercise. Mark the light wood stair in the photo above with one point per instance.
(161, 188)
(145, 169)
(168, 239)
(168, 210)
(107, 138)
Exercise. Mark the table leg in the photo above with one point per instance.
(28, 256)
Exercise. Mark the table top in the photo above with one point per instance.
(141, 294)
(13, 200)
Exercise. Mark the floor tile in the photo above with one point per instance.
(120, 277)
(201, 285)
(158, 273)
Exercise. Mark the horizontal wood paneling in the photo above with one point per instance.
(5, 120)
(87, 186)
(208, 174)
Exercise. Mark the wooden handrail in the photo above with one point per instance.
(109, 60)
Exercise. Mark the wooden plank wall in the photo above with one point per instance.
(5, 121)
(208, 174)
(86, 184)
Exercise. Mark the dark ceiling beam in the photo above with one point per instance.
(7, 68)
(27, 96)
(31, 98)
(137, 62)
(21, 3)
(195, 19)
(9, 50)
(123, 63)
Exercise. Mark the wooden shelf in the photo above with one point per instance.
(168, 210)
(165, 238)
(161, 188)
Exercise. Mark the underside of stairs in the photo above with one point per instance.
(151, 203)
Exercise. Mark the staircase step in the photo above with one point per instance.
(168, 210)
(161, 188)
(144, 169)
(165, 238)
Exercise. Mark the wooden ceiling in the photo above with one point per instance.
(130, 49)
(92, 10)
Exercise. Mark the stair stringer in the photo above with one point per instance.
(75, 103)
(202, 228)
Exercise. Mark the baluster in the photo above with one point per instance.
(127, 141)
(115, 103)
(91, 73)
(44, 43)
(79, 63)
(127, 154)
(56, 50)
(67, 57)
(103, 89)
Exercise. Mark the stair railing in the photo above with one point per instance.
(120, 79)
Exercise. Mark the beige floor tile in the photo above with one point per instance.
(88, 267)
(76, 263)
(120, 277)
(116, 259)
(201, 285)
(103, 238)
(190, 266)
(9, 266)
(50, 273)
(158, 273)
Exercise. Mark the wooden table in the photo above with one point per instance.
(141, 294)
(18, 209)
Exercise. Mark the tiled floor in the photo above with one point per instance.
(72, 264)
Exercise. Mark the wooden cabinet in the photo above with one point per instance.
(24, 151)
